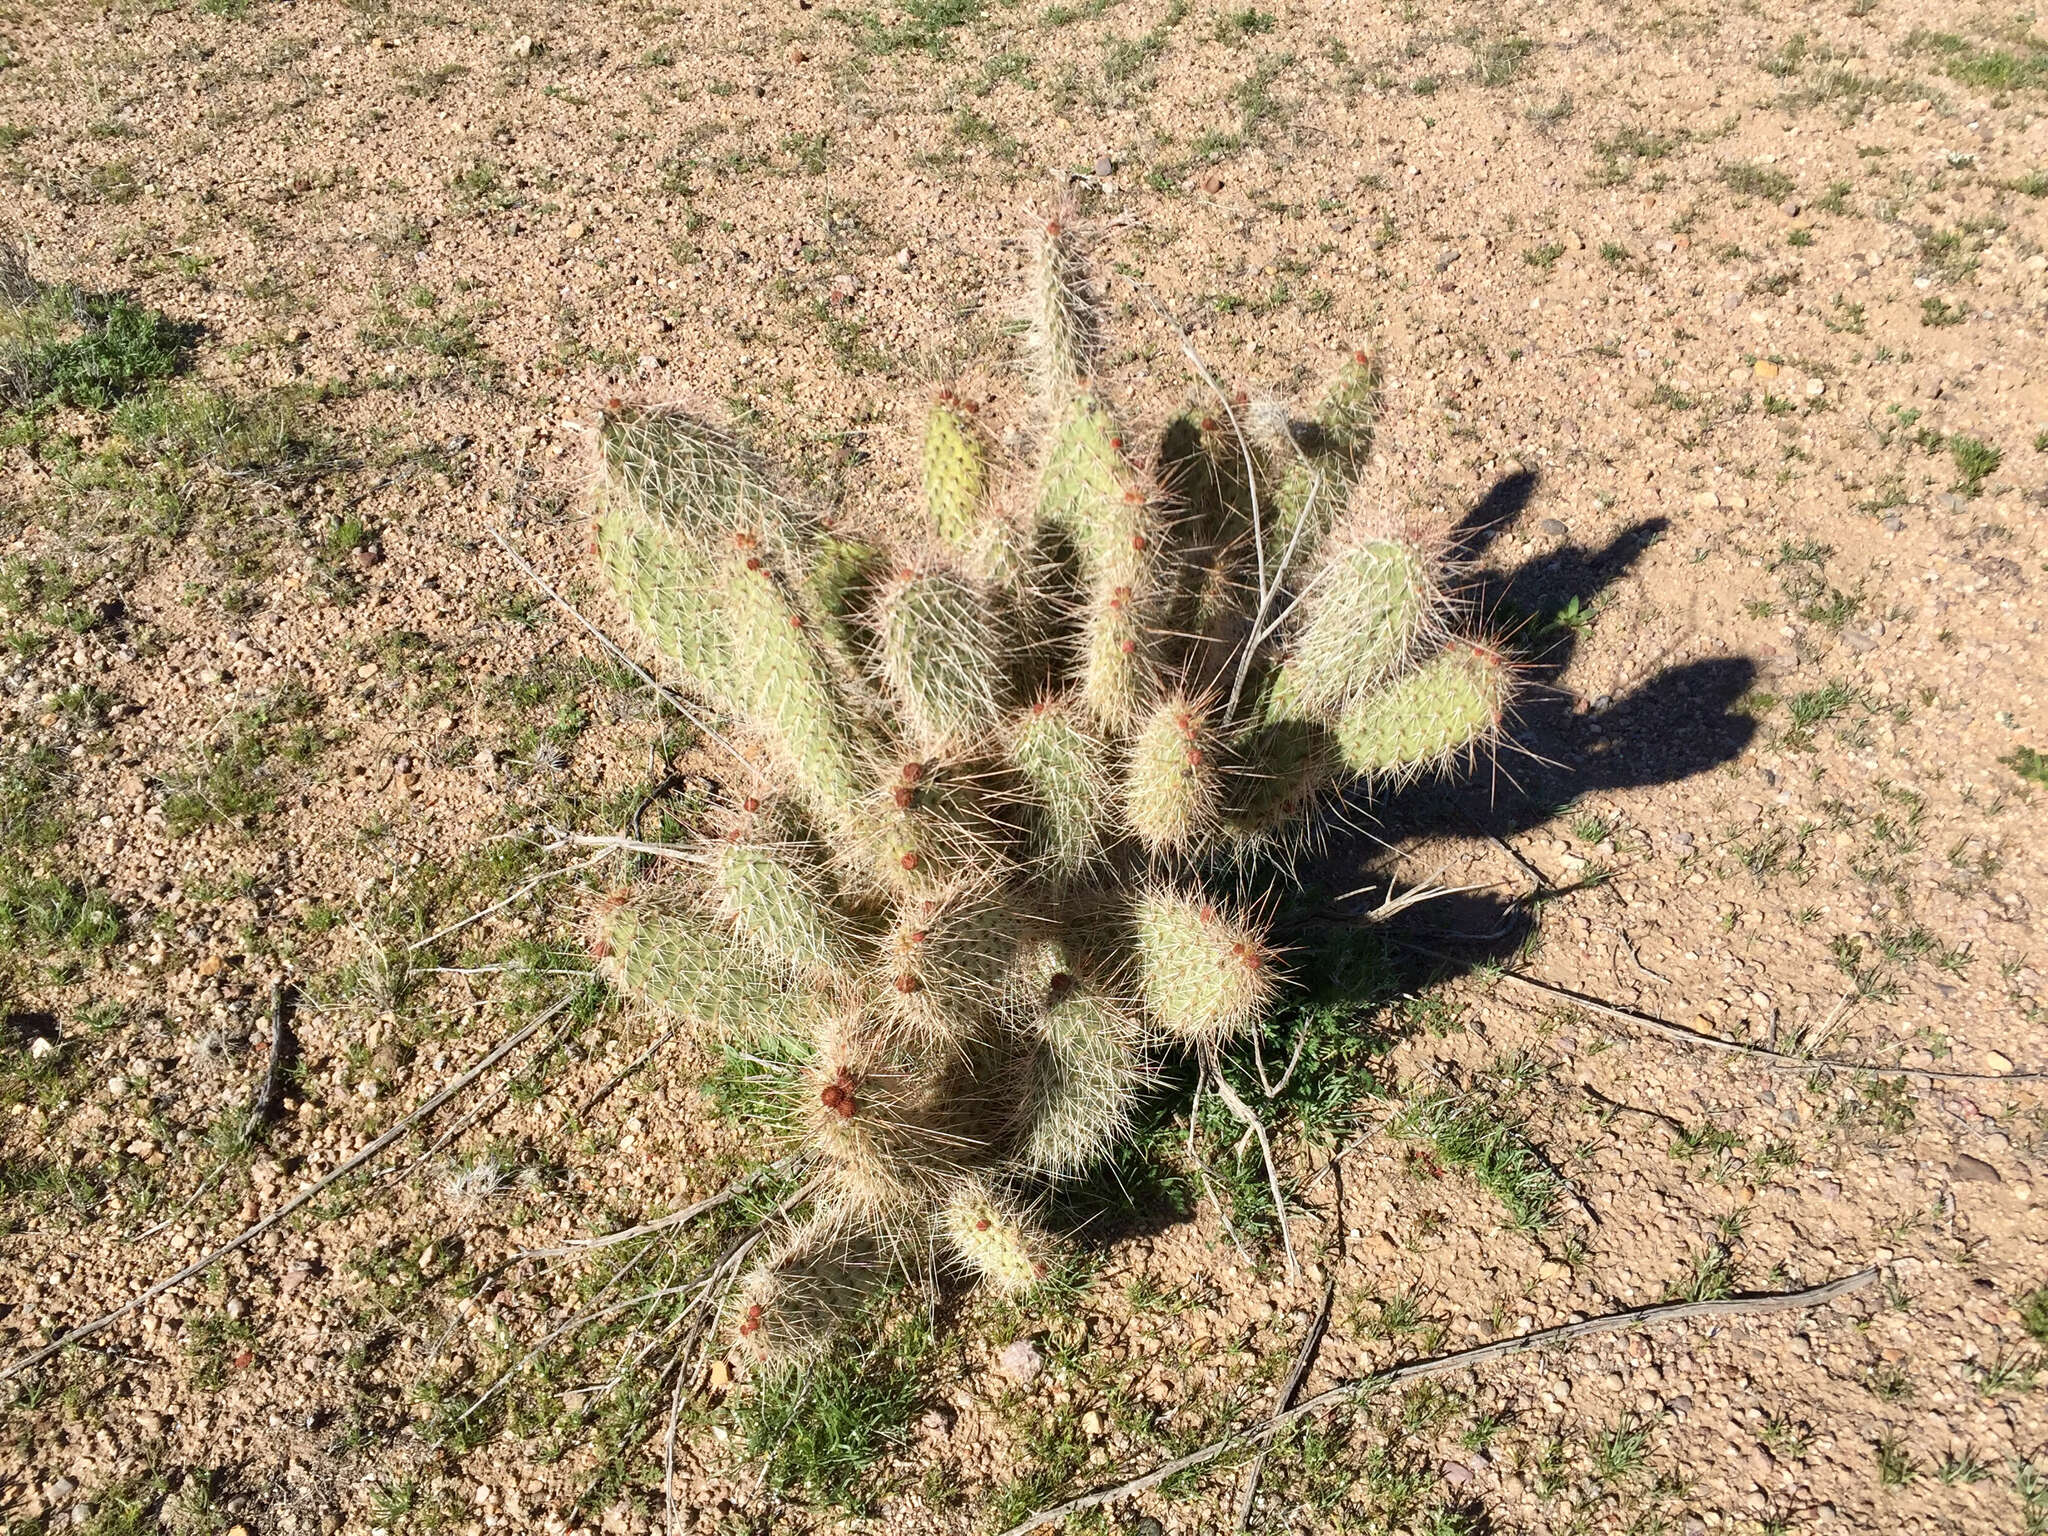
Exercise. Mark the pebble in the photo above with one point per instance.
(1456, 1472)
(40, 1047)
(1551, 528)
(1789, 208)
(1104, 166)
(576, 230)
(1021, 1362)
(1091, 1424)
(1765, 368)
(1998, 1061)
(1212, 183)
(1974, 1170)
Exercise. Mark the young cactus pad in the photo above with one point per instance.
(1018, 756)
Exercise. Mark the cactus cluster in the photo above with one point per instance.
(1012, 761)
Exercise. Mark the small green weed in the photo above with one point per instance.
(1477, 1137)
(1976, 460)
(1748, 179)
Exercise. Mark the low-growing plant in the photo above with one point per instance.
(1021, 778)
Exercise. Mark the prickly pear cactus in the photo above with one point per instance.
(1013, 764)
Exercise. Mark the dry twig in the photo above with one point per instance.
(298, 1202)
(1302, 1362)
(1443, 1365)
(1776, 1061)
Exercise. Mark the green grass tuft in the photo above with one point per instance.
(821, 1430)
(1476, 1136)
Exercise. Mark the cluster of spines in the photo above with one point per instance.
(1020, 743)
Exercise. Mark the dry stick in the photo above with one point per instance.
(499, 906)
(731, 1191)
(1302, 1362)
(1778, 1061)
(628, 1070)
(1239, 1108)
(249, 1234)
(489, 1105)
(1443, 1365)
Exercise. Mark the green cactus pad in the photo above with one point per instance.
(787, 687)
(1087, 1075)
(665, 585)
(1062, 313)
(1065, 767)
(778, 905)
(1173, 787)
(1204, 974)
(695, 480)
(944, 657)
(683, 965)
(810, 1289)
(955, 472)
(1442, 710)
(1368, 610)
(1350, 410)
(943, 964)
(996, 1238)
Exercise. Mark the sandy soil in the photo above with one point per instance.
(1714, 333)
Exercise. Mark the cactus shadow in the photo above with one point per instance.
(1677, 722)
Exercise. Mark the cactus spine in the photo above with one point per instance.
(1023, 749)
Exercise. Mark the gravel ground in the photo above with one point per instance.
(1714, 337)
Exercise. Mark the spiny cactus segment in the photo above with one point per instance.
(1020, 751)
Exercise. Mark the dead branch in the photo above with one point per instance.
(298, 1202)
(1302, 1362)
(1776, 1061)
(1443, 1365)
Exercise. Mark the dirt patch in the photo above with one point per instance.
(1713, 338)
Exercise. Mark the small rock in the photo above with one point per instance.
(60, 1489)
(1856, 640)
(721, 1375)
(1893, 523)
(1998, 1061)
(798, 56)
(1021, 1362)
(41, 1047)
(525, 48)
(1789, 208)
(1949, 501)
(1815, 388)
(1765, 369)
(1212, 183)
(1457, 1472)
(1091, 1424)
(1974, 1170)
(1551, 528)
(902, 259)
(576, 230)
(1104, 166)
